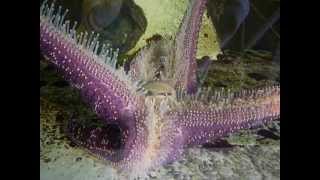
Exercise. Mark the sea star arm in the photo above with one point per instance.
(109, 92)
(186, 45)
(179, 59)
(202, 123)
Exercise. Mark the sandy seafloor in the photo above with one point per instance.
(254, 154)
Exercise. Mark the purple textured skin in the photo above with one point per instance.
(204, 124)
(107, 95)
(186, 44)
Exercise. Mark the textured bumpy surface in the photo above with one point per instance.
(108, 91)
(225, 115)
(186, 42)
(147, 124)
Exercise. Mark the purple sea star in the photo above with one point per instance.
(157, 105)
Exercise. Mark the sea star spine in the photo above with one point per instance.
(109, 91)
(179, 58)
(76, 60)
(203, 122)
(186, 46)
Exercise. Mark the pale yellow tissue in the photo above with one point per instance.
(164, 18)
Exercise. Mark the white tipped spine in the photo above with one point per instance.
(103, 53)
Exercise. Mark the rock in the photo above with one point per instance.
(119, 22)
(227, 16)
(164, 18)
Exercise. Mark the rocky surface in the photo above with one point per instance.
(164, 18)
(121, 23)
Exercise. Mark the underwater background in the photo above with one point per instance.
(246, 55)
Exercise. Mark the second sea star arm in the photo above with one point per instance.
(186, 45)
(203, 123)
